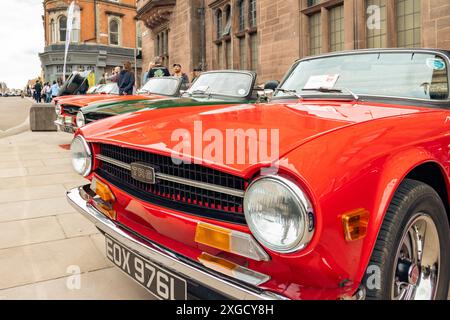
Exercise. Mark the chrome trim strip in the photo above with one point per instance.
(166, 177)
(174, 262)
(112, 161)
(201, 185)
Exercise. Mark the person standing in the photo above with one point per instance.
(115, 75)
(157, 70)
(195, 74)
(54, 90)
(126, 80)
(48, 93)
(38, 90)
(103, 79)
(178, 73)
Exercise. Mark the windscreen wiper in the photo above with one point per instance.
(334, 90)
(290, 91)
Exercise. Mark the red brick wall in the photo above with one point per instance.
(125, 8)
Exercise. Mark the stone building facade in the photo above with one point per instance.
(105, 35)
(269, 35)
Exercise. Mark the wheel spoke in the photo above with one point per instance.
(417, 261)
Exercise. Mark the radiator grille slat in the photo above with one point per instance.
(174, 195)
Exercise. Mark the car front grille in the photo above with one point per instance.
(72, 110)
(189, 188)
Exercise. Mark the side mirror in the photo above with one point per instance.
(271, 85)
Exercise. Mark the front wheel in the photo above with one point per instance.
(412, 252)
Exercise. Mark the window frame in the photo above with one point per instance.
(110, 32)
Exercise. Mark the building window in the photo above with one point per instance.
(227, 30)
(75, 37)
(376, 30)
(62, 22)
(252, 14)
(311, 3)
(228, 55)
(254, 51)
(162, 46)
(52, 31)
(315, 30)
(242, 53)
(409, 23)
(219, 24)
(219, 56)
(241, 12)
(138, 35)
(337, 28)
(114, 32)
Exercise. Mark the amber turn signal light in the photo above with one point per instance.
(107, 198)
(102, 190)
(355, 224)
(231, 241)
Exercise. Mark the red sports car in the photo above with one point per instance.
(68, 108)
(336, 189)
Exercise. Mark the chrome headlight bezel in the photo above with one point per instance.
(86, 169)
(80, 119)
(304, 205)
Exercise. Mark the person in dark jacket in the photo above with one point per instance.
(126, 80)
(38, 90)
(156, 70)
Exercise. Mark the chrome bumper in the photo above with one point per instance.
(168, 259)
(64, 127)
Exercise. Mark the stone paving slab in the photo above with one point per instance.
(42, 239)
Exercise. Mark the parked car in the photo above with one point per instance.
(158, 88)
(214, 87)
(352, 202)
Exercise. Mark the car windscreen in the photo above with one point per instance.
(94, 89)
(386, 74)
(110, 88)
(223, 83)
(163, 86)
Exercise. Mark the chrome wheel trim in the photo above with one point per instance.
(419, 252)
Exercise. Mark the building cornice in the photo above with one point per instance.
(156, 12)
(64, 6)
(218, 3)
(113, 13)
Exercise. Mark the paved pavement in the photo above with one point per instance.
(13, 111)
(44, 243)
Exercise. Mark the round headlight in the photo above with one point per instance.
(81, 122)
(279, 214)
(81, 156)
(58, 110)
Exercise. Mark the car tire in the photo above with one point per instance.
(398, 269)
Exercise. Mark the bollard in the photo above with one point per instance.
(42, 117)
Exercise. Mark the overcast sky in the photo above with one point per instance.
(21, 39)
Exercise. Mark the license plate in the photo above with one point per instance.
(66, 129)
(161, 283)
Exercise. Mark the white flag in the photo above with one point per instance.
(69, 28)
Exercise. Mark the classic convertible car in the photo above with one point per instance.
(214, 87)
(337, 189)
(157, 88)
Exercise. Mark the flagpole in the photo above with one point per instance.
(69, 27)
